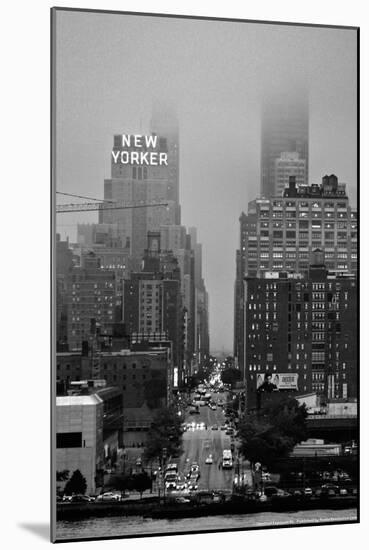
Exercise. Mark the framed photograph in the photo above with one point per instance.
(205, 365)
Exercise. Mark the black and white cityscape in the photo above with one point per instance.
(206, 318)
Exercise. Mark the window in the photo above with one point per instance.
(68, 440)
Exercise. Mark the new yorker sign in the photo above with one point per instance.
(140, 150)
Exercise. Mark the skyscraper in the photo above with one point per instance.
(164, 123)
(281, 233)
(289, 164)
(284, 127)
(140, 185)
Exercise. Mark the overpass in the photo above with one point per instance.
(333, 427)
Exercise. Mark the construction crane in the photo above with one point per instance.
(101, 204)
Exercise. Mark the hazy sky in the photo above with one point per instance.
(110, 69)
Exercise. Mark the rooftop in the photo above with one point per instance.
(78, 400)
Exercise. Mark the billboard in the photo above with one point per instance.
(275, 381)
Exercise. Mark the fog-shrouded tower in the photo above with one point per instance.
(284, 128)
(164, 123)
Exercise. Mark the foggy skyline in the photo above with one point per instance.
(112, 68)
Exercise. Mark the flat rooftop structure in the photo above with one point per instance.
(78, 400)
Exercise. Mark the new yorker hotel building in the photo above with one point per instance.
(281, 233)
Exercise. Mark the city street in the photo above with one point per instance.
(198, 444)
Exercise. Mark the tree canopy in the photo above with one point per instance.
(155, 390)
(271, 435)
(122, 483)
(76, 484)
(230, 376)
(165, 433)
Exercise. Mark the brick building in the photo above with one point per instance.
(300, 330)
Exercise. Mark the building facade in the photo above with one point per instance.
(287, 165)
(300, 328)
(79, 436)
(90, 300)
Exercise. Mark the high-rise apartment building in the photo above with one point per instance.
(90, 300)
(284, 127)
(300, 329)
(152, 301)
(280, 234)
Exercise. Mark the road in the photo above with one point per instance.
(199, 443)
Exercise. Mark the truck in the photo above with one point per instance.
(227, 462)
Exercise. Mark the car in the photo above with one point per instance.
(67, 498)
(209, 459)
(223, 427)
(194, 467)
(170, 476)
(181, 486)
(109, 497)
(213, 407)
(265, 476)
(343, 492)
(308, 492)
(229, 431)
(329, 489)
(170, 485)
(82, 498)
(182, 500)
(194, 476)
(193, 486)
(214, 427)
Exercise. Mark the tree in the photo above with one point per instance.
(62, 475)
(272, 435)
(155, 390)
(122, 483)
(165, 433)
(141, 482)
(231, 376)
(76, 484)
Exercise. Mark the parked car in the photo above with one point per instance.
(214, 427)
(82, 498)
(308, 492)
(109, 497)
(182, 500)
